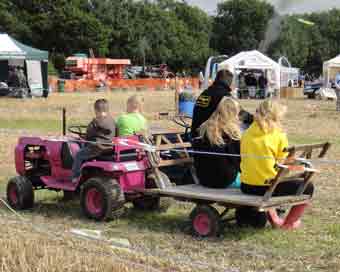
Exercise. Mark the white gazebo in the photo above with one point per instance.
(254, 60)
(330, 69)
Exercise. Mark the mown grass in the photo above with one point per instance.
(31, 124)
(163, 241)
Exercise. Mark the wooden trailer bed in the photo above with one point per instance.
(226, 197)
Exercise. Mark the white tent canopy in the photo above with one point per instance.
(253, 60)
(330, 69)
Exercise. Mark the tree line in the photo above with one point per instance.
(168, 31)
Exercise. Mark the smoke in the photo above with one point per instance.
(272, 33)
(303, 6)
(283, 7)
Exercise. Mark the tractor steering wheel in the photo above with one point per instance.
(185, 122)
(78, 130)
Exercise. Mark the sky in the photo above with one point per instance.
(284, 6)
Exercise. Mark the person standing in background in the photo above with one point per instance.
(337, 91)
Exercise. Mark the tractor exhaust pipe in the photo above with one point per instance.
(64, 121)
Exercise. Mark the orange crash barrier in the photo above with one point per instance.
(130, 84)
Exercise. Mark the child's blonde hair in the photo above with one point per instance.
(135, 102)
(223, 122)
(269, 115)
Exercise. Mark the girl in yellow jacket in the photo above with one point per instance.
(262, 146)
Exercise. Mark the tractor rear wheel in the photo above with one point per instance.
(205, 221)
(249, 217)
(101, 199)
(20, 194)
(151, 203)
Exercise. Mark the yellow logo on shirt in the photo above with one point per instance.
(203, 101)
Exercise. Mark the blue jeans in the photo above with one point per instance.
(237, 182)
(83, 154)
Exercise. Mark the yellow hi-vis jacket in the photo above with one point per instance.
(256, 146)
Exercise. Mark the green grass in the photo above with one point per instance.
(45, 125)
(315, 247)
(300, 140)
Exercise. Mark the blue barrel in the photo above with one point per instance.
(186, 108)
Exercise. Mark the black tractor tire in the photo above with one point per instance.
(249, 217)
(205, 221)
(20, 193)
(111, 199)
(151, 203)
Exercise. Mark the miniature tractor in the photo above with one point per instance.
(106, 183)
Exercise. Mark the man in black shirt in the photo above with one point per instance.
(208, 101)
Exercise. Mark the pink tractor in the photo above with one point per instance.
(106, 183)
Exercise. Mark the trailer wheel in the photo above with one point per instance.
(205, 221)
(102, 199)
(20, 194)
(249, 217)
(148, 203)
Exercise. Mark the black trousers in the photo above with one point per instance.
(282, 189)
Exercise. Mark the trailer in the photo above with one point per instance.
(206, 218)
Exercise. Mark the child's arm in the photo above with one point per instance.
(90, 131)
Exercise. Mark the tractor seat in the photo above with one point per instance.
(68, 151)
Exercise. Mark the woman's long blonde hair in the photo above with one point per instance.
(223, 122)
(269, 115)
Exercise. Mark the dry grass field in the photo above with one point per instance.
(161, 242)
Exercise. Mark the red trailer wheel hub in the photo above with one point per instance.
(202, 224)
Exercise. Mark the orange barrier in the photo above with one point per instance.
(137, 84)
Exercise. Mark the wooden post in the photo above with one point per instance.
(176, 97)
(64, 121)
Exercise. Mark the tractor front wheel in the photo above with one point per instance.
(101, 199)
(205, 221)
(20, 194)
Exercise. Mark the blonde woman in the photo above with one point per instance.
(265, 138)
(219, 134)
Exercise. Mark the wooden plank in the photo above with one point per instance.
(226, 196)
(165, 139)
(173, 146)
(307, 147)
(165, 131)
(164, 163)
(179, 138)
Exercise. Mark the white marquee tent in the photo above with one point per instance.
(330, 69)
(254, 60)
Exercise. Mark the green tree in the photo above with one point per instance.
(308, 46)
(240, 25)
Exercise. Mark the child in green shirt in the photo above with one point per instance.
(133, 122)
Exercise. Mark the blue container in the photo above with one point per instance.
(186, 108)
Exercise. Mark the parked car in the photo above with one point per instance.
(311, 88)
